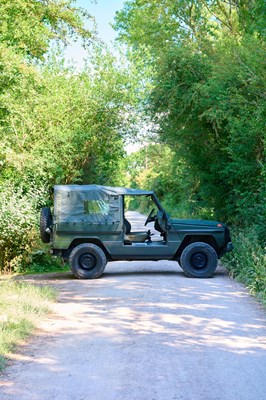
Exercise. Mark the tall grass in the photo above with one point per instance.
(247, 263)
(21, 306)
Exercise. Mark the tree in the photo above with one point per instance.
(57, 126)
(28, 26)
(208, 95)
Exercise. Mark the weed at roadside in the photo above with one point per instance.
(247, 263)
(22, 305)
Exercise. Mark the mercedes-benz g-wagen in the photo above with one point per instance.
(88, 228)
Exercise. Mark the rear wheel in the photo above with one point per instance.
(199, 260)
(87, 261)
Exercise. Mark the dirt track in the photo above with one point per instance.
(144, 331)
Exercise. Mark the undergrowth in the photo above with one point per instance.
(41, 262)
(22, 305)
(247, 263)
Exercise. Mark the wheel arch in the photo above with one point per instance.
(78, 241)
(188, 239)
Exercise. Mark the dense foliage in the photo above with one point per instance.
(57, 125)
(195, 74)
(208, 100)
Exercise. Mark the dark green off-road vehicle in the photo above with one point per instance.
(89, 228)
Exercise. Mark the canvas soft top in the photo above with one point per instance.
(92, 204)
(108, 190)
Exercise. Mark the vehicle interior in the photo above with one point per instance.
(135, 224)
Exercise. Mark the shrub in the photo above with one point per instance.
(18, 221)
(247, 262)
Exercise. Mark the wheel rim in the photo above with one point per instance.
(87, 261)
(198, 260)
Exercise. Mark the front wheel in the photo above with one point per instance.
(199, 260)
(87, 261)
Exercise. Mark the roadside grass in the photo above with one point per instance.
(247, 262)
(39, 261)
(22, 305)
(42, 268)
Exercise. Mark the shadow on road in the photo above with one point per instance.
(147, 329)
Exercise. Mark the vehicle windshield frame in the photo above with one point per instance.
(153, 197)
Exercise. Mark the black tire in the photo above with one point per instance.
(46, 222)
(199, 260)
(87, 261)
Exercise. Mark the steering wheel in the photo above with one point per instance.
(150, 217)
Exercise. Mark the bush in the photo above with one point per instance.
(247, 262)
(40, 261)
(18, 222)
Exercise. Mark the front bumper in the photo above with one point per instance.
(229, 247)
(226, 249)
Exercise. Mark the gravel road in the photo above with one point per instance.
(143, 332)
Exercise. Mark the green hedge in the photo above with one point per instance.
(247, 263)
